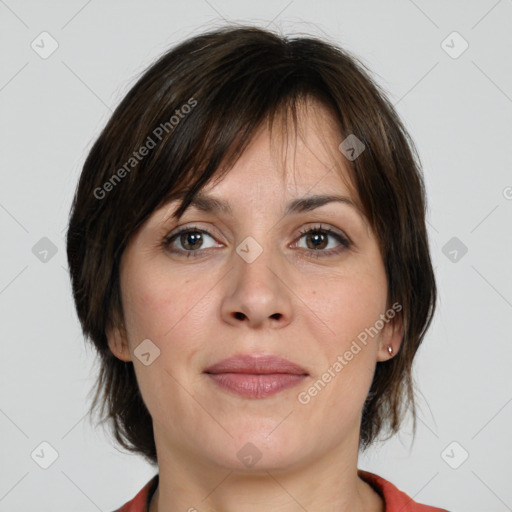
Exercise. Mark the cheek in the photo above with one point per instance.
(148, 305)
(166, 309)
(346, 305)
(346, 308)
(168, 312)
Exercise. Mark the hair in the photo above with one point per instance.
(195, 109)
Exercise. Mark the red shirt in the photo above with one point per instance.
(394, 499)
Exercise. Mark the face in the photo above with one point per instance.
(252, 280)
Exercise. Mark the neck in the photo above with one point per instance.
(326, 483)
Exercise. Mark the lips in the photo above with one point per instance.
(255, 376)
(256, 365)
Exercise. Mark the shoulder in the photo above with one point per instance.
(394, 499)
(140, 502)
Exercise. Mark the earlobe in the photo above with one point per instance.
(118, 344)
(391, 339)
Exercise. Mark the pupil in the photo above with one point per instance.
(194, 238)
(317, 238)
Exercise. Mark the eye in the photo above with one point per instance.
(317, 240)
(190, 238)
(190, 241)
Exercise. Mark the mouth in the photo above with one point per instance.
(256, 376)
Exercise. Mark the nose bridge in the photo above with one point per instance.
(256, 294)
(256, 264)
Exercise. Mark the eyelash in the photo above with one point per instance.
(345, 242)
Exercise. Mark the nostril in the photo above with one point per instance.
(277, 316)
(239, 316)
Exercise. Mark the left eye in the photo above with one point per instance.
(317, 239)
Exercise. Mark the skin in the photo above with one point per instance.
(190, 309)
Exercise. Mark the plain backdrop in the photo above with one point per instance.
(446, 67)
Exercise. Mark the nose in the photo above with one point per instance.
(257, 293)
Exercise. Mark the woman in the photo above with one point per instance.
(249, 256)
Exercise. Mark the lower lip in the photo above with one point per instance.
(256, 386)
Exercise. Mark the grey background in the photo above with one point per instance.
(458, 111)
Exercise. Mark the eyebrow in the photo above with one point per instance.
(302, 204)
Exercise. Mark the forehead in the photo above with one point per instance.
(292, 158)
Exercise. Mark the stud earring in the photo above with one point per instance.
(390, 350)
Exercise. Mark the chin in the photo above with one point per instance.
(250, 459)
(261, 446)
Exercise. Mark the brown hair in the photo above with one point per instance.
(192, 110)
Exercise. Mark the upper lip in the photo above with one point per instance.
(263, 364)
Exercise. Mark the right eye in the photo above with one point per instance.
(190, 238)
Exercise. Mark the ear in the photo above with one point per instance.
(118, 343)
(391, 336)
